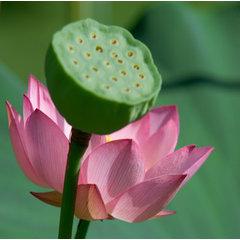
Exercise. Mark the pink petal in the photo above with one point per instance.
(94, 142)
(33, 91)
(145, 199)
(47, 149)
(113, 167)
(40, 99)
(163, 213)
(89, 204)
(160, 144)
(171, 164)
(160, 116)
(53, 198)
(138, 131)
(186, 160)
(17, 138)
(197, 157)
(27, 108)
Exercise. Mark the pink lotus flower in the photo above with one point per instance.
(131, 174)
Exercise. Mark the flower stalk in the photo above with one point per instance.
(82, 229)
(78, 145)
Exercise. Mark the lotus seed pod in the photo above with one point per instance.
(100, 77)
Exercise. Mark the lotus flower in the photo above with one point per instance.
(131, 174)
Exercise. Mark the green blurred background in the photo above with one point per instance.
(196, 46)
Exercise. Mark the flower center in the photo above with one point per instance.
(108, 138)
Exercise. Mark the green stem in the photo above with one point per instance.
(82, 229)
(77, 147)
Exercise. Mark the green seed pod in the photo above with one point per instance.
(100, 77)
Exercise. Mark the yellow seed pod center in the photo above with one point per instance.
(108, 138)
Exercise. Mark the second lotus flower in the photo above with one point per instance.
(131, 174)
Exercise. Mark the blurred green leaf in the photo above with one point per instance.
(26, 29)
(108, 12)
(189, 40)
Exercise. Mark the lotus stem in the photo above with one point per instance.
(82, 229)
(77, 147)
